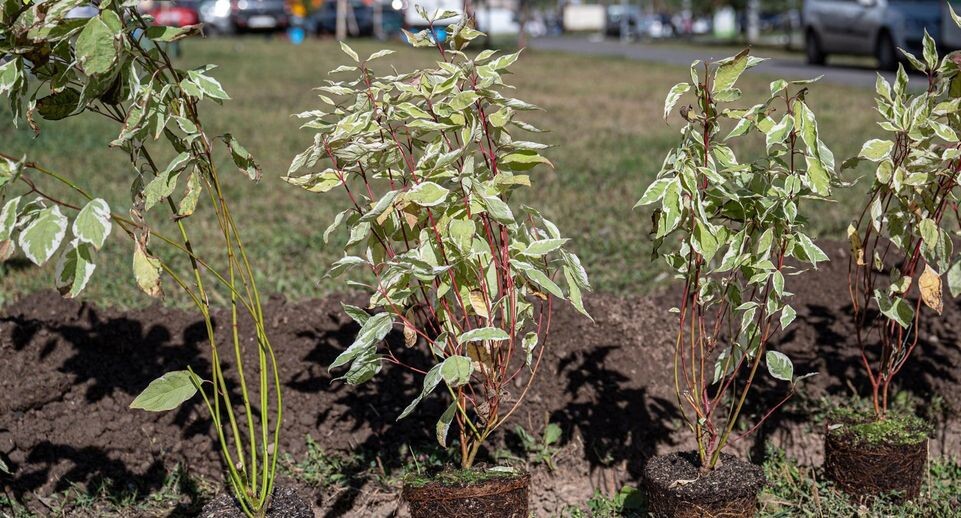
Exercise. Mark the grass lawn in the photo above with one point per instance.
(603, 113)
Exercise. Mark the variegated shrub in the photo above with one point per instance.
(428, 161)
(902, 246)
(113, 66)
(727, 227)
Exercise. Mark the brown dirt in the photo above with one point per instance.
(69, 370)
(504, 497)
(286, 503)
(677, 489)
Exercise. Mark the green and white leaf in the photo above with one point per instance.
(92, 224)
(43, 235)
(779, 366)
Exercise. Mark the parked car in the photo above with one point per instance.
(173, 14)
(873, 28)
(616, 13)
(657, 26)
(324, 19)
(232, 16)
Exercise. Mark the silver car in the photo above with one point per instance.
(875, 28)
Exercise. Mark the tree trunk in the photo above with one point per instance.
(341, 20)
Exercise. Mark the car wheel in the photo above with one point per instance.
(887, 52)
(812, 48)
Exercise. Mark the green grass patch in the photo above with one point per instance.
(800, 491)
(458, 477)
(603, 114)
(180, 496)
(897, 428)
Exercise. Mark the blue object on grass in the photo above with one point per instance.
(296, 35)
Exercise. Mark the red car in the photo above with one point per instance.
(174, 14)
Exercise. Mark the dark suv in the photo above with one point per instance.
(230, 16)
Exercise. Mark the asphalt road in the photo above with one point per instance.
(786, 68)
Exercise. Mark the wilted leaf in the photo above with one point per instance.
(242, 158)
(431, 380)
(673, 96)
(146, 270)
(59, 105)
(930, 286)
(410, 334)
(478, 303)
(857, 250)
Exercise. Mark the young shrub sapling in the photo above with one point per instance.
(428, 161)
(902, 250)
(113, 66)
(729, 228)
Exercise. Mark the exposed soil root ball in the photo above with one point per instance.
(867, 458)
(285, 504)
(456, 495)
(677, 489)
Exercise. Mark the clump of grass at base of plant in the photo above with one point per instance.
(628, 502)
(898, 428)
(182, 495)
(458, 477)
(323, 469)
(802, 491)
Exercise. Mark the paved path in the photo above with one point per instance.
(787, 68)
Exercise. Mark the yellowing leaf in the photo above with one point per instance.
(146, 269)
(480, 356)
(410, 334)
(857, 250)
(930, 286)
(477, 302)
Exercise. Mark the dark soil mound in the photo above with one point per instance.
(285, 504)
(68, 372)
(677, 489)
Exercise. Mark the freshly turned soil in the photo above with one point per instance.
(863, 469)
(285, 504)
(69, 370)
(676, 488)
(502, 497)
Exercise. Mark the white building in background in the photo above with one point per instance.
(585, 17)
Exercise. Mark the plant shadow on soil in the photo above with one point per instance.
(95, 361)
(823, 340)
(69, 371)
(620, 423)
(370, 410)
